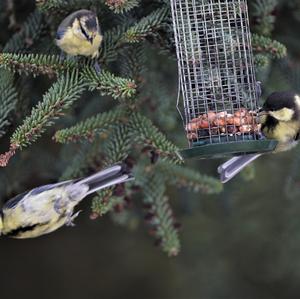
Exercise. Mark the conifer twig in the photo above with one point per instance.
(58, 98)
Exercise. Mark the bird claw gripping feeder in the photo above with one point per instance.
(217, 79)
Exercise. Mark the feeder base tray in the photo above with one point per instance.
(220, 150)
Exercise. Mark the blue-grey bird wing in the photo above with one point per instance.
(32, 211)
(60, 33)
(43, 188)
(15, 200)
(64, 25)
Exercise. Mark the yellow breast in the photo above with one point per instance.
(284, 133)
(73, 45)
(38, 214)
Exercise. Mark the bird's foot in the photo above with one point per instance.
(71, 218)
(62, 56)
(258, 89)
(261, 135)
(59, 205)
(97, 67)
(72, 58)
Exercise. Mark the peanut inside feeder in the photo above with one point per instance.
(222, 123)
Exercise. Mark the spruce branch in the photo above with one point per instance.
(8, 99)
(146, 134)
(163, 224)
(88, 157)
(109, 84)
(31, 31)
(104, 202)
(158, 211)
(118, 146)
(58, 98)
(262, 11)
(120, 36)
(268, 47)
(77, 167)
(182, 176)
(146, 26)
(115, 150)
(57, 6)
(261, 60)
(133, 60)
(111, 44)
(90, 127)
(121, 6)
(35, 64)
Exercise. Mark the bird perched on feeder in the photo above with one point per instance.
(80, 34)
(47, 208)
(280, 120)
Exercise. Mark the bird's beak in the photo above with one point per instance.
(262, 112)
(261, 109)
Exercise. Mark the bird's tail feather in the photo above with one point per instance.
(114, 175)
(232, 167)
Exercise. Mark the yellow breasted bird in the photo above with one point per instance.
(280, 120)
(45, 209)
(80, 34)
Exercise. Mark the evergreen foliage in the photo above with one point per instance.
(58, 98)
(8, 100)
(121, 6)
(31, 31)
(138, 127)
(35, 64)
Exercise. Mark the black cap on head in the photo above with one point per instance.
(89, 16)
(279, 100)
(91, 23)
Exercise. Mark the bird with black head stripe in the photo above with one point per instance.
(80, 34)
(280, 120)
(44, 209)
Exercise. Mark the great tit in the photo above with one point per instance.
(280, 120)
(45, 209)
(80, 34)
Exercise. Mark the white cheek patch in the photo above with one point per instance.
(284, 114)
(77, 31)
(79, 34)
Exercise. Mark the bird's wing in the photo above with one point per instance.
(13, 201)
(60, 33)
(23, 213)
(10, 204)
(64, 25)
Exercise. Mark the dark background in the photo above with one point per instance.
(244, 243)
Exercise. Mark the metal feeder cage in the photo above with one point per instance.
(217, 79)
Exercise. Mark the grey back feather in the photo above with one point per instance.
(15, 200)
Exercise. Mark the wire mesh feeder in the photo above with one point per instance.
(217, 78)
